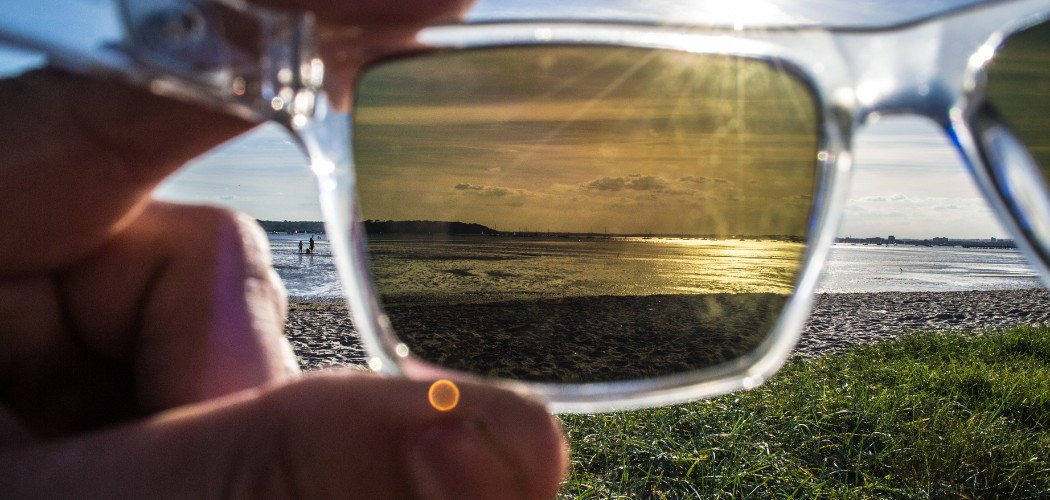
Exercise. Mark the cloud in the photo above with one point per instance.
(510, 197)
(484, 190)
(646, 183)
(800, 200)
(872, 199)
(607, 184)
(693, 179)
(495, 191)
(636, 182)
(919, 217)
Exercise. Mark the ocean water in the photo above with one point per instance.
(523, 268)
(482, 268)
(552, 309)
(305, 276)
(901, 268)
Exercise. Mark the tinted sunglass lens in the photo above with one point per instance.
(1019, 88)
(579, 214)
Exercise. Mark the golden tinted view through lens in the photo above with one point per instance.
(577, 214)
(1019, 87)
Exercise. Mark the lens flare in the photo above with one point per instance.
(443, 395)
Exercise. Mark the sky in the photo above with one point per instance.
(907, 180)
(611, 140)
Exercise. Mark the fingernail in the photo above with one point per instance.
(454, 459)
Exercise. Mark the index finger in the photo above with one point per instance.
(83, 155)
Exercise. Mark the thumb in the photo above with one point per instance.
(346, 435)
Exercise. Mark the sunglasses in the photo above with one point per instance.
(616, 215)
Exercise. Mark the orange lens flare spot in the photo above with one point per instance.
(443, 395)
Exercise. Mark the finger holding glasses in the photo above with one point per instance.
(143, 351)
(613, 214)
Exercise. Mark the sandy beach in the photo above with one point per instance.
(322, 334)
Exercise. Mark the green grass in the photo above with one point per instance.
(941, 415)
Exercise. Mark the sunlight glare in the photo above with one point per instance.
(322, 167)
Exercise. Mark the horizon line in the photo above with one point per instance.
(675, 235)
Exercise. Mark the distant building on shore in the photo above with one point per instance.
(939, 241)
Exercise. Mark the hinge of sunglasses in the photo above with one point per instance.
(257, 63)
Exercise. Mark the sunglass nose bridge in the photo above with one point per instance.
(909, 72)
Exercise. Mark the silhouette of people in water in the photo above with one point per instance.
(300, 247)
(311, 245)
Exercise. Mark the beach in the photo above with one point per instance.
(561, 310)
(839, 320)
(322, 334)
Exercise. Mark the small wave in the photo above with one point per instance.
(1008, 276)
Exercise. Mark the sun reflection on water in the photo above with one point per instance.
(483, 269)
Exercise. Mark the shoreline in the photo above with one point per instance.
(322, 335)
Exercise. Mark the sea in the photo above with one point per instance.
(305, 276)
(850, 268)
(904, 268)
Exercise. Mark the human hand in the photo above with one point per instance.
(142, 350)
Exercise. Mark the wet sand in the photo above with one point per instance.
(323, 336)
(577, 339)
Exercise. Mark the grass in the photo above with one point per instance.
(939, 415)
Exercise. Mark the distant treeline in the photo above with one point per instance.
(450, 228)
(292, 226)
(425, 227)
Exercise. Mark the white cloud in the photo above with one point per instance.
(909, 182)
(261, 173)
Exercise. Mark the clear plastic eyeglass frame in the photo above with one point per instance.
(264, 65)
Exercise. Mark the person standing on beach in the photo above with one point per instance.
(300, 247)
(142, 350)
(311, 244)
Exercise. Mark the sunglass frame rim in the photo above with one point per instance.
(959, 108)
(839, 116)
